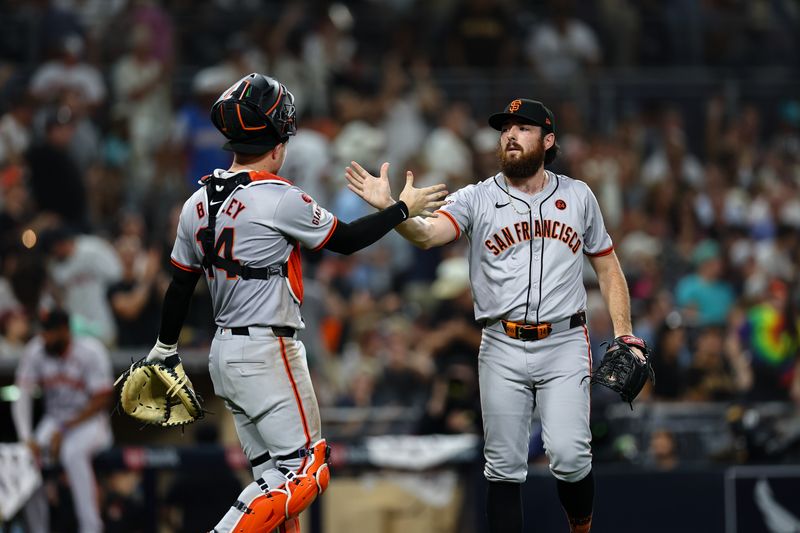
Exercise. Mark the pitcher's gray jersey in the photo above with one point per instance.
(260, 224)
(526, 252)
(67, 382)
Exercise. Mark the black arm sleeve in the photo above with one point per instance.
(176, 304)
(349, 238)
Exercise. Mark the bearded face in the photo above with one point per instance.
(56, 341)
(516, 161)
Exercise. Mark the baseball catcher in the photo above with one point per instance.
(622, 370)
(156, 390)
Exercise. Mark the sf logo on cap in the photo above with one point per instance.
(514, 106)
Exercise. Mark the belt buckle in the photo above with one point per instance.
(537, 331)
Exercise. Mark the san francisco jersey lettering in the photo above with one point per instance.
(541, 238)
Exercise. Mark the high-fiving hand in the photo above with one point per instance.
(375, 190)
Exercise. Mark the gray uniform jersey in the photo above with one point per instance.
(526, 252)
(261, 224)
(67, 382)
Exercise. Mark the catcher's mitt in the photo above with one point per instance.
(622, 371)
(159, 393)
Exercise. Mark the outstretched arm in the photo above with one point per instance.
(427, 232)
(350, 237)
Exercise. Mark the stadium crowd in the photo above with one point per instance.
(104, 132)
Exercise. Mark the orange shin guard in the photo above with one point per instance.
(303, 488)
(283, 504)
(264, 514)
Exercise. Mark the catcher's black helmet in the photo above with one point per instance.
(256, 113)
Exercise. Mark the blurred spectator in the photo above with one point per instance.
(408, 96)
(135, 299)
(241, 58)
(662, 453)
(55, 179)
(670, 356)
(198, 496)
(142, 98)
(152, 15)
(15, 129)
(195, 138)
(620, 25)
(563, 49)
(81, 268)
(703, 297)
(454, 404)
(328, 51)
(768, 336)
(710, 376)
(360, 391)
(481, 35)
(452, 339)
(446, 152)
(74, 375)
(400, 382)
(452, 335)
(69, 73)
(93, 15)
(484, 147)
(672, 162)
(15, 210)
(15, 332)
(308, 162)
(123, 508)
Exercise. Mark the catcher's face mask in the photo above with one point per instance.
(256, 113)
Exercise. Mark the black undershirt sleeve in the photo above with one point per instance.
(351, 237)
(176, 304)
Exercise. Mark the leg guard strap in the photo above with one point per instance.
(277, 505)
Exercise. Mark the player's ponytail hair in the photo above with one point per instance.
(551, 153)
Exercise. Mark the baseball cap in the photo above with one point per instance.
(452, 278)
(705, 251)
(526, 110)
(54, 319)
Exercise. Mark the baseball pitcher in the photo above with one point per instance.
(528, 232)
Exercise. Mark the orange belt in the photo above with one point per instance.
(542, 330)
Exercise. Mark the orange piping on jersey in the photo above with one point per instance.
(247, 128)
(328, 237)
(601, 253)
(453, 220)
(296, 393)
(261, 175)
(589, 347)
(187, 268)
(295, 275)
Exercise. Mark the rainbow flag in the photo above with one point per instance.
(767, 334)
